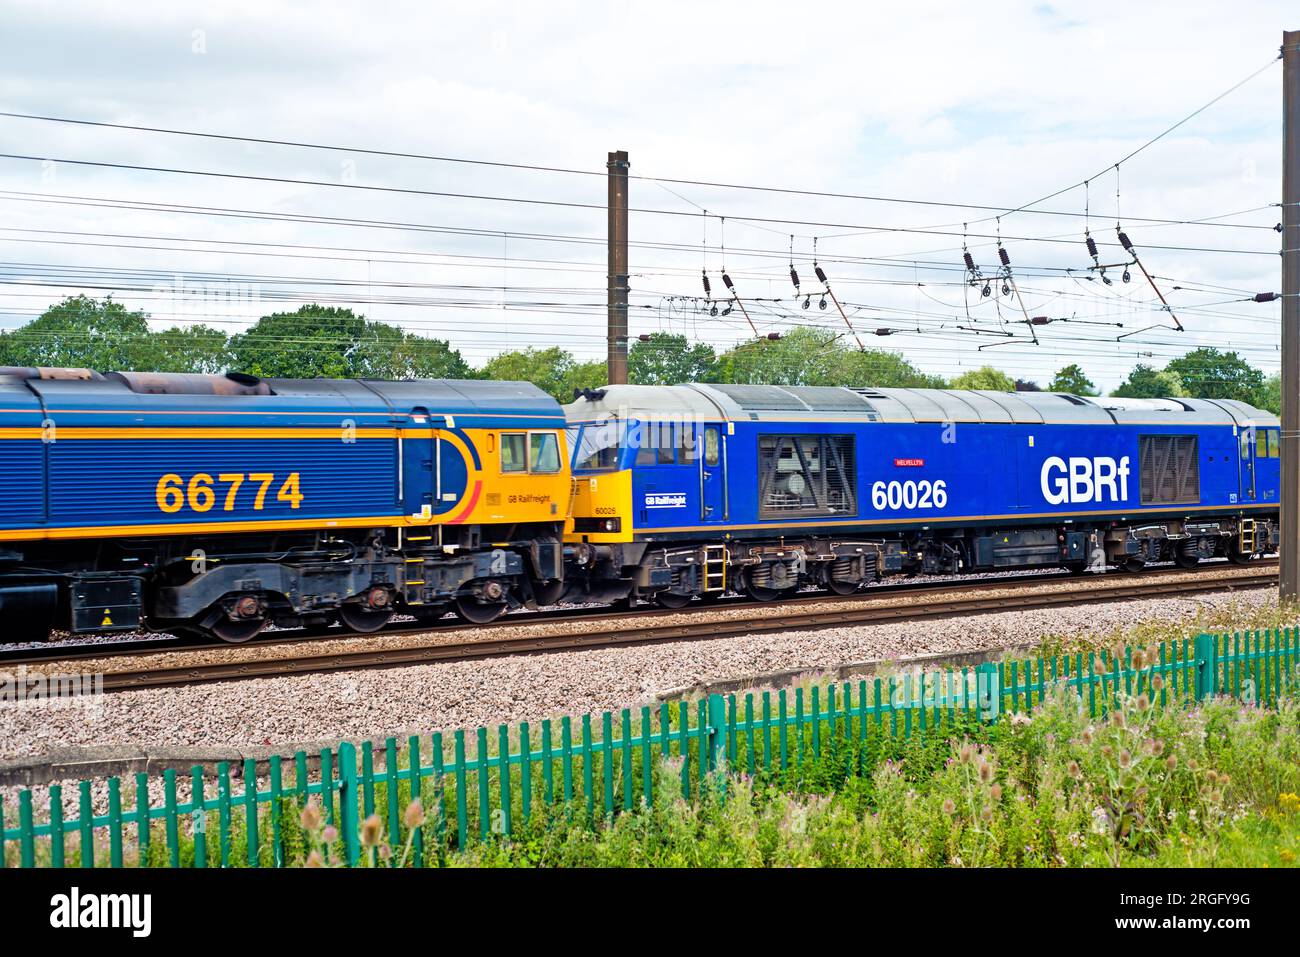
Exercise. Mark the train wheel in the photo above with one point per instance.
(1133, 565)
(1240, 558)
(671, 599)
(236, 632)
(363, 620)
(842, 588)
(548, 593)
(764, 593)
(479, 612)
(1186, 561)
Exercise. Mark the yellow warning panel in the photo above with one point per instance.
(108, 620)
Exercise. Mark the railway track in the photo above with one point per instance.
(605, 630)
(131, 647)
(59, 651)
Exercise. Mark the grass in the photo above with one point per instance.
(1211, 784)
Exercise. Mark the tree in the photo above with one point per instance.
(1071, 379)
(1146, 382)
(804, 356)
(83, 333)
(667, 359)
(985, 377)
(334, 343)
(1271, 396)
(811, 356)
(879, 368)
(1025, 385)
(552, 370)
(196, 348)
(1208, 373)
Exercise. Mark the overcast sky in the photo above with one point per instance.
(991, 105)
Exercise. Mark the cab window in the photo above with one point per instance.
(1261, 443)
(514, 457)
(598, 446)
(711, 447)
(543, 452)
(1274, 437)
(685, 444)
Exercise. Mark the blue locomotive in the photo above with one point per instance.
(694, 490)
(223, 504)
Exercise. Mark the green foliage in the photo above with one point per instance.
(82, 332)
(812, 356)
(1208, 373)
(1071, 379)
(667, 359)
(553, 370)
(334, 343)
(985, 377)
(1146, 382)
(1271, 395)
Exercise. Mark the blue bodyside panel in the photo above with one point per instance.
(22, 488)
(92, 481)
(927, 473)
(115, 482)
(22, 495)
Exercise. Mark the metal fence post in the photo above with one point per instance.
(717, 733)
(988, 691)
(348, 826)
(1207, 666)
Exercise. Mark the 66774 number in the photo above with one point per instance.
(899, 495)
(202, 491)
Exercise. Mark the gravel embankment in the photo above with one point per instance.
(426, 698)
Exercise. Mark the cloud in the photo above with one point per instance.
(986, 104)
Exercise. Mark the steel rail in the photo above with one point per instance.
(584, 637)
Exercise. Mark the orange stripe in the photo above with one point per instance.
(473, 500)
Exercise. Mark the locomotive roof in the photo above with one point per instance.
(183, 391)
(830, 403)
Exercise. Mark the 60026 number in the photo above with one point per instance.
(909, 495)
(201, 493)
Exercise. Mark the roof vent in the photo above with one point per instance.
(183, 383)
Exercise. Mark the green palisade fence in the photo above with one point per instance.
(482, 787)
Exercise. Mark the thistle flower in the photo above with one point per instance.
(1086, 737)
(1125, 760)
(315, 860)
(986, 814)
(996, 792)
(1074, 770)
(1107, 750)
(1171, 762)
(310, 817)
(986, 772)
(385, 852)
(414, 816)
(1157, 682)
(1117, 719)
(330, 834)
(949, 807)
(372, 829)
(1142, 702)
(966, 755)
